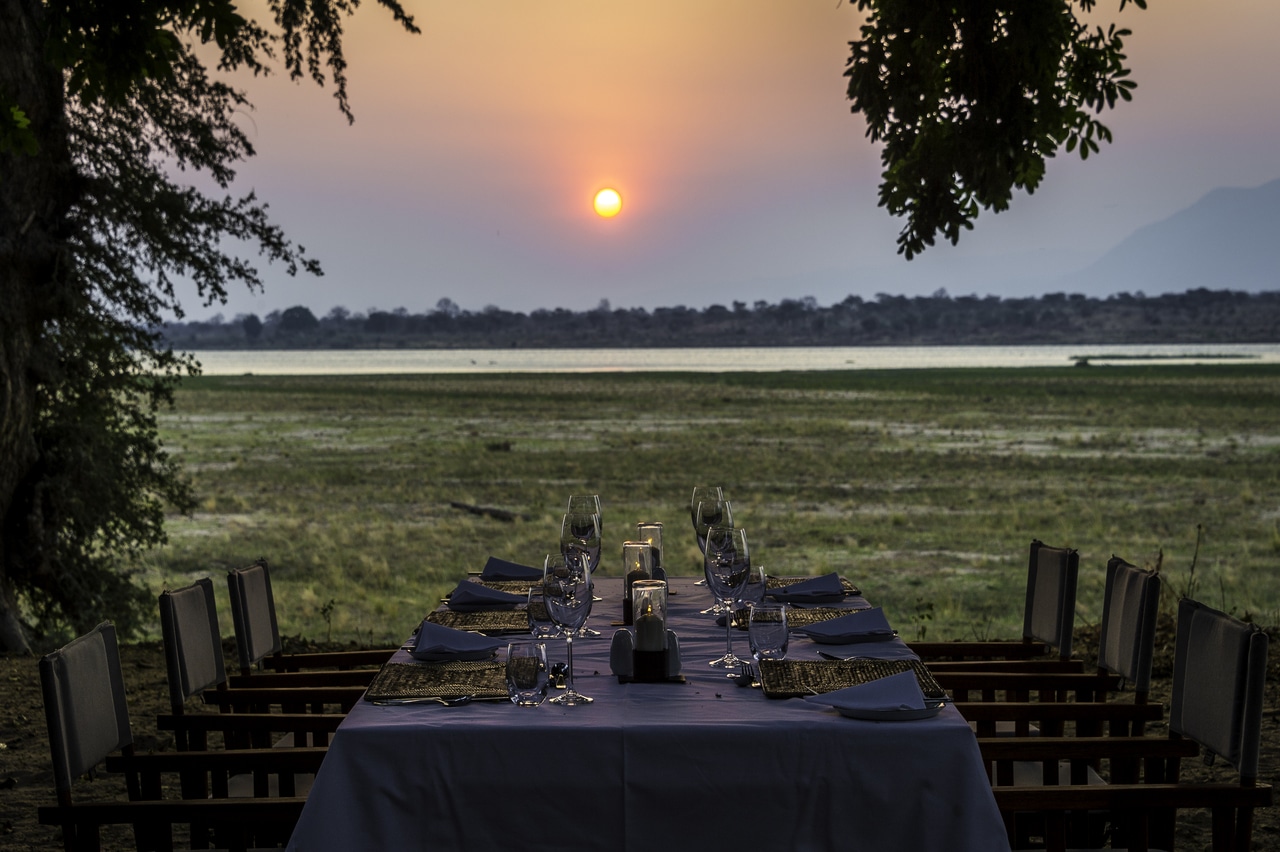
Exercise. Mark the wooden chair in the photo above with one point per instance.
(1126, 646)
(194, 663)
(1218, 681)
(253, 612)
(1047, 623)
(88, 722)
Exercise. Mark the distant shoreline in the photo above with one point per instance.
(716, 359)
(1197, 317)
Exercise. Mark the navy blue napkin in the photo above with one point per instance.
(824, 589)
(500, 569)
(473, 597)
(435, 643)
(864, 625)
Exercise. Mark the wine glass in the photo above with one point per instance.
(709, 513)
(727, 564)
(706, 514)
(711, 493)
(700, 493)
(566, 591)
(589, 503)
(580, 533)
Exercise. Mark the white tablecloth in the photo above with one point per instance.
(703, 765)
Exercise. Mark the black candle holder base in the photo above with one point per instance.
(648, 666)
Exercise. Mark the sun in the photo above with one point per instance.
(608, 203)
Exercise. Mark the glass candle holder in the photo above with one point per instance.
(649, 603)
(651, 532)
(637, 564)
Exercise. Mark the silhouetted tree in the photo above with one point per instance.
(297, 320)
(970, 97)
(252, 327)
(101, 104)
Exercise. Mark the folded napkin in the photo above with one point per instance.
(864, 625)
(895, 692)
(473, 597)
(501, 569)
(436, 643)
(825, 589)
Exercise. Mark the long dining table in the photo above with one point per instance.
(701, 765)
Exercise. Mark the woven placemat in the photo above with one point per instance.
(772, 583)
(513, 587)
(797, 617)
(795, 678)
(489, 622)
(483, 680)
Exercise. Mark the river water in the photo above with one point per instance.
(753, 359)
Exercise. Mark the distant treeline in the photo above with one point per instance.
(1196, 316)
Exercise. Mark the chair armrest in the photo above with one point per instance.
(1116, 797)
(1084, 748)
(1028, 665)
(1012, 649)
(251, 697)
(233, 761)
(328, 659)
(275, 679)
(251, 722)
(1028, 681)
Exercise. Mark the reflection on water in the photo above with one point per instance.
(756, 359)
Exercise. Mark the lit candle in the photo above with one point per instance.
(651, 532)
(650, 631)
(651, 622)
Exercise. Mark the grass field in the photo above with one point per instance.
(924, 487)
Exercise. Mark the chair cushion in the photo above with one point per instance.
(1129, 622)
(1219, 672)
(84, 703)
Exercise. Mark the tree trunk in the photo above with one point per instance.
(35, 193)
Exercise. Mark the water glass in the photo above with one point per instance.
(540, 624)
(767, 631)
(752, 593)
(527, 676)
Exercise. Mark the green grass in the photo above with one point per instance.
(925, 487)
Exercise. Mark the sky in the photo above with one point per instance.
(478, 146)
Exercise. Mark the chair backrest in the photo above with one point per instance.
(84, 704)
(1129, 608)
(1051, 596)
(1219, 671)
(253, 610)
(192, 641)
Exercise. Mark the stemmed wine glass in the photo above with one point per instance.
(706, 514)
(589, 503)
(727, 564)
(580, 537)
(711, 513)
(700, 493)
(566, 591)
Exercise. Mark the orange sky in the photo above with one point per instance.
(478, 146)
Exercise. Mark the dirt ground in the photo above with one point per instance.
(26, 778)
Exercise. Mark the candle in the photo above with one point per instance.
(650, 606)
(651, 532)
(637, 559)
(650, 632)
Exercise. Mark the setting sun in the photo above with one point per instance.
(608, 202)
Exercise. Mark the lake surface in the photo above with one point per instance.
(755, 359)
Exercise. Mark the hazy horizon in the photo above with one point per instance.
(477, 146)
